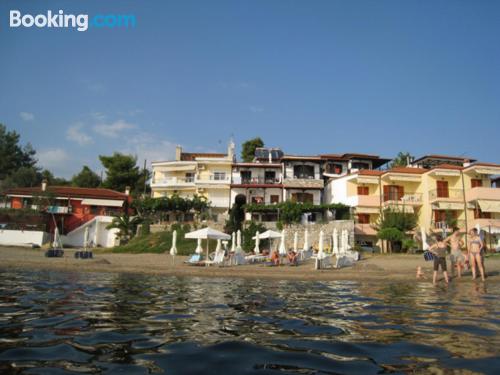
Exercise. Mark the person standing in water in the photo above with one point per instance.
(456, 257)
(475, 247)
(439, 251)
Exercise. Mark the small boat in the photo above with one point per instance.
(85, 253)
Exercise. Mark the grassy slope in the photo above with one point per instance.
(161, 242)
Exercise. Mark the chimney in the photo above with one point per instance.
(44, 184)
(178, 152)
(230, 151)
(466, 163)
(127, 190)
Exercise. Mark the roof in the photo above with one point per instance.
(369, 172)
(481, 164)
(444, 157)
(448, 166)
(70, 192)
(257, 165)
(299, 157)
(406, 170)
(191, 156)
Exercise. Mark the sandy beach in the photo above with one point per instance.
(372, 267)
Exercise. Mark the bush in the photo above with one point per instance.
(390, 234)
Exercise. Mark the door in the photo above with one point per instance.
(442, 189)
(476, 182)
(393, 192)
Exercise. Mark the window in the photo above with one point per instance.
(476, 182)
(219, 176)
(303, 171)
(258, 200)
(478, 214)
(442, 189)
(364, 218)
(270, 177)
(246, 177)
(189, 177)
(360, 165)
(393, 193)
(302, 197)
(363, 190)
(334, 168)
(275, 199)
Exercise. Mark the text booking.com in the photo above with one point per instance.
(80, 22)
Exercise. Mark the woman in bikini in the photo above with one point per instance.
(439, 251)
(456, 256)
(475, 247)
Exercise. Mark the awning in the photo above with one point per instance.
(448, 206)
(367, 210)
(489, 206)
(399, 177)
(488, 171)
(176, 168)
(102, 202)
(441, 172)
(367, 180)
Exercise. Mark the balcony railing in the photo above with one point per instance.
(446, 194)
(53, 209)
(444, 225)
(487, 193)
(174, 181)
(256, 181)
(214, 178)
(406, 198)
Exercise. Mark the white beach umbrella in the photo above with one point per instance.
(219, 246)
(86, 238)
(306, 240)
(233, 242)
(238, 242)
(199, 249)
(335, 241)
(257, 242)
(321, 252)
(295, 241)
(56, 238)
(207, 234)
(425, 245)
(173, 249)
(282, 248)
(268, 234)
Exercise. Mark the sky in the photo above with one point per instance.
(310, 77)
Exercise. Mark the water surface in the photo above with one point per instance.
(60, 323)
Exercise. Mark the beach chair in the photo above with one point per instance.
(218, 259)
(195, 260)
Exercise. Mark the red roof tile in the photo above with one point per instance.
(70, 192)
(190, 156)
(369, 172)
(406, 170)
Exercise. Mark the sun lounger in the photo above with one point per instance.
(218, 259)
(255, 258)
(195, 260)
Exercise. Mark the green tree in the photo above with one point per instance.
(236, 215)
(122, 171)
(22, 177)
(52, 180)
(126, 226)
(401, 160)
(248, 148)
(86, 178)
(13, 156)
(395, 225)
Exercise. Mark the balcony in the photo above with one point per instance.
(482, 193)
(443, 225)
(174, 182)
(364, 230)
(214, 179)
(53, 209)
(446, 195)
(367, 200)
(412, 199)
(256, 181)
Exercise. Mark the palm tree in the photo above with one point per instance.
(126, 226)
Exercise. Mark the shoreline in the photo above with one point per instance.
(397, 267)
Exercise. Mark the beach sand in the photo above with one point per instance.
(372, 267)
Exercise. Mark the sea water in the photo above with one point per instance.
(55, 322)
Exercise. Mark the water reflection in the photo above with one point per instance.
(54, 322)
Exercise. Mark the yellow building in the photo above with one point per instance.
(442, 195)
(205, 174)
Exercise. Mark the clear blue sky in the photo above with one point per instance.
(308, 76)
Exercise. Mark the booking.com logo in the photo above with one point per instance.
(81, 22)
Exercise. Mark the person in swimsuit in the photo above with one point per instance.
(439, 251)
(456, 257)
(475, 247)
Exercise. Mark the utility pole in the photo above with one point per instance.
(145, 177)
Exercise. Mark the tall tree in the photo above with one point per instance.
(401, 160)
(122, 171)
(12, 155)
(52, 180)
(86, 178)
(248, 149)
